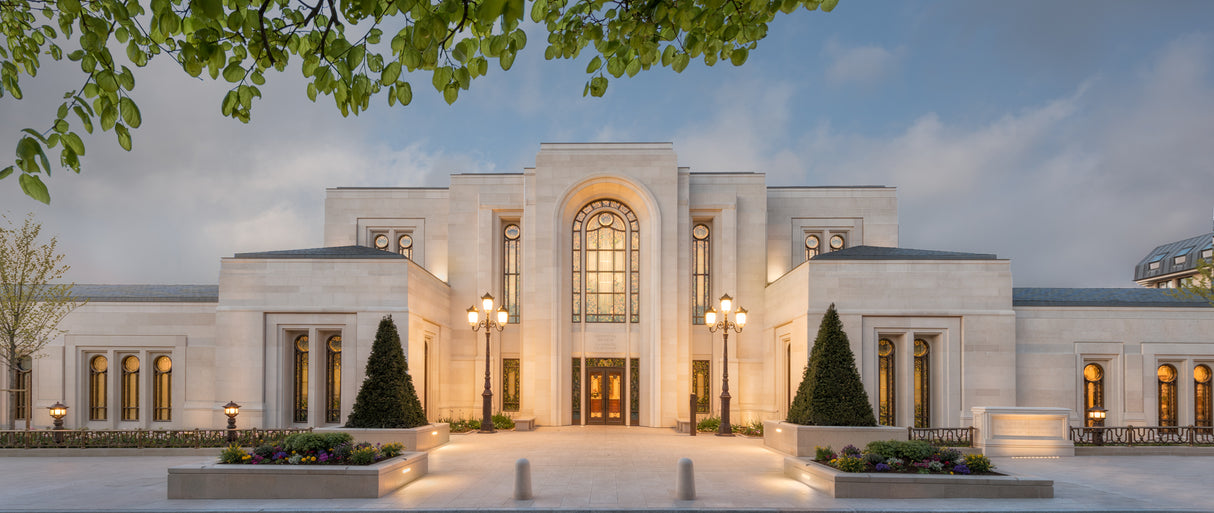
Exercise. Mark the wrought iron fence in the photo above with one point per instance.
(1143, 435)
(943, 437)
(139, 438)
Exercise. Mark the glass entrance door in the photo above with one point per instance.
(605, 395)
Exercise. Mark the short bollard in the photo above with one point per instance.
(685, 483)
(522, 480)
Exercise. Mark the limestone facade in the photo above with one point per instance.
(604, 320)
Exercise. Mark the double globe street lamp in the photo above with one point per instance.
(725, 325)
(476, 322)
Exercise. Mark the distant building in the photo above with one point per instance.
(1170, 265)
(606, 257)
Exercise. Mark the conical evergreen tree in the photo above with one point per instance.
(387, 398)
(831, 393)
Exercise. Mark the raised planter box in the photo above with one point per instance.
(798, 440)
(846, 485)
(421, 438)
(219, 481)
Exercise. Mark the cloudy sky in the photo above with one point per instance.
(1071, 137)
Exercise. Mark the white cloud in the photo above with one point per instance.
(860, 65)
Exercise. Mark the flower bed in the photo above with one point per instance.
(907, 457)
(222, 481)
(890, 485)
(312, 449)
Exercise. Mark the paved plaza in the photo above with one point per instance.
(598, 468)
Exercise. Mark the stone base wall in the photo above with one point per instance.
(843, 485)
(219, 481)
(797, 440)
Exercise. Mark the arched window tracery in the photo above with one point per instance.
(606, 263)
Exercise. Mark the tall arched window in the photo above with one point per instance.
(510, 270)
(606, 263)
(701, 261)
(162, 389)
(1201, 396)
(923, 407)
(1167, 395)
(1093, 390)
(813, 245)
(25, 369)
(886, 390)
(333, 379)
(130, 388)
(300, 410)
(98, 379)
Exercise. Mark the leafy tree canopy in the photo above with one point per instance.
(350, 50)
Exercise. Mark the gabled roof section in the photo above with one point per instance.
(1131, 297)
(885, 253)
(147, 293)
(1163, 257)
(335, 252)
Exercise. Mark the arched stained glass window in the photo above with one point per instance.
(923, 407)
(25, 369)
(98, 373)
(130, 388)
(511, 238)
(300, 378)
(606, 263)
(701, 262)
(1201, 396)
(1093, 390)
(1167, 395)
(162, 389)
(333, 379)
(886, 391)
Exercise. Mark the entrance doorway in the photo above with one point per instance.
(605, 395)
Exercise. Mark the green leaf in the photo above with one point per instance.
(738, 57)
(85, 119)
(450, 93)
(69, 7)
(130, 112)
(594, 65)
(124, 137)
(634, 67)
(35, 134)
(34, 188)
(506, 60)
(233, 73)
(538, 10)
(71, 140)
(5, 172)
(598, 86)
(404, 93)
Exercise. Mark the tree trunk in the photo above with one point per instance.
(13, 384)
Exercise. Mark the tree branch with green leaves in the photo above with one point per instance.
(1199, 286)
(392, 42)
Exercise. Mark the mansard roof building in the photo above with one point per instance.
(606, 257)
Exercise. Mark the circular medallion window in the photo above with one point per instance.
(381, 241)
(606, 219)
(920, 347)
(1092, 372)
(164, 364)
(885, 347)
(1167, 373)
(700, 232)
(335, 343)
(1201, 374)
(406, 241)
(512, 232)
(836, 242)
(811, 241)
(130, 364)
(301, 344)
(25, 364)
(99, 364)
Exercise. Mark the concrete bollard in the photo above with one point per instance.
(522, 480)
(685, 482)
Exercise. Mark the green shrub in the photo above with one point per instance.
(823, 453)
(978, 463)
(265, 451)
(752, 428)
(831, 393)
(232, 454)
(387, 398)
(392, 450)
(709, 424)
(908, 450)
(460, 425)
(873, 458)
(363, 454)
(850, 464)
(501, 421)
(315, 441)
(948, 455)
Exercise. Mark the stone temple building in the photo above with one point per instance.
(606, 257)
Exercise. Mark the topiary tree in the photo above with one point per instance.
(387, 398)
(831, 393)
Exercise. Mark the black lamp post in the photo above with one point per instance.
(231, 410)
(725, 325)
(58, 411)
(1097, 416)
(476, 322)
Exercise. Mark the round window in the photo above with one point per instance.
(885, 347)
(512, 232)
(606, 219)
(700, 232)
(99, 364)
(164, 364)
(406, 241)
(301, 344)
(130, 364)
(335, 343)
(1201, 374)
(25, 364)
(381, 241)
(1167, 373)
(1093, 372)
(920, 347)
(836, 242)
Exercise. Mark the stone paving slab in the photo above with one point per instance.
(605, 469)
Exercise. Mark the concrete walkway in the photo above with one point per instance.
(603, 469)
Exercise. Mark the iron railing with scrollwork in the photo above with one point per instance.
(1143, 435)
(141, 439)
(943, 437)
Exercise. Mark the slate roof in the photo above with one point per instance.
(352, 252)
(1166, 254)
(884, 253)
(148, 293)
(1130, 297)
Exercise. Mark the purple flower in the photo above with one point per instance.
(881, 467)
(961, 469)
(280, 455)
(324, 456)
